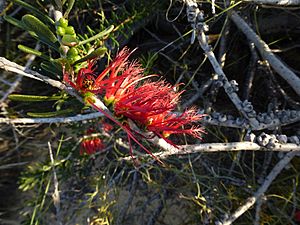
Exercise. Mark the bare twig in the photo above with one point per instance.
(254, 121)
(170, 150)
(196, 18)
(55, 195)
(12, 165)
(70, 119)
(259, 203)
(291, 78)
(223, 43)
(18, 79)
(251, 72)
(21, 70)
(270, 120)
(268, 181)
(276, 2)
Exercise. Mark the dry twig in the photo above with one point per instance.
(291, 78)
(70, 119)
(276, 2)
(55, 195)
(268, 181)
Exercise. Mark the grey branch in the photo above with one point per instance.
(13, 85)
(70, 119)
(268, 181)
(270, 120)
(55, 195)
(170, 150)
(21, 70)
(196, 18)
(291, 78)
(276, 2)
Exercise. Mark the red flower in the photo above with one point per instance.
(297, 216)
(107, 127)
(150, 104)
(91, 145)
(166, 124)
(118, 78)
(85, 80)
(147, 100)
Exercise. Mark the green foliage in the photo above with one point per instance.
(33, 98)
(63, 112)
(14, 22)
(32, 51)
(98, 53)
(70, 4)
(40, 31)
(148, 61)
(53, 67)
(37, 12)
(97, 36)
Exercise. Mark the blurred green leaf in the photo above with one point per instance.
(33, 98)
(52, 67)
(99, 52)
(98, 36)
(14, 22)
(38, 28)
(32, 51)
(69, 8)
(50, 114)
(42, 16)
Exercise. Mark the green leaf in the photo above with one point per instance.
(33, 52)
(42, 16)
(70, 6)
(19, 24)
(99, 52)
(97, 36)
(33, 98)
(50, 114)
(15, 22)
(69, 40)
(52, 67)
(38, 28)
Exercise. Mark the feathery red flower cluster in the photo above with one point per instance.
(91, 145)
(150, 104)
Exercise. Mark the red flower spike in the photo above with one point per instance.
(116, 87)
(85, 80)
(166, 124)
(91, 146)
(149, 99)
(119, 74)
(297, 216)
(150, 105)
(107, 127)
(127, 130)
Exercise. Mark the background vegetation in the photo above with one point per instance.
(111, 188)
